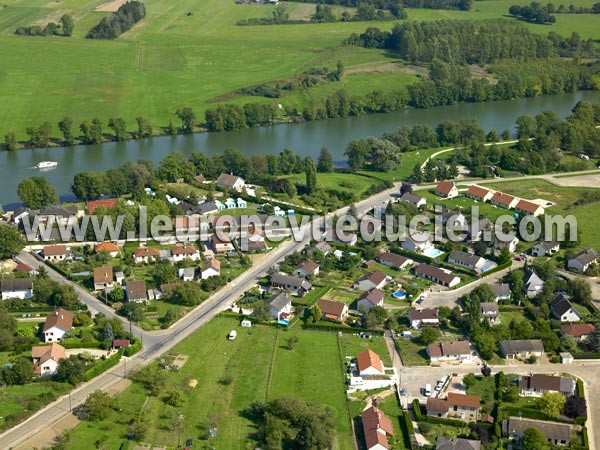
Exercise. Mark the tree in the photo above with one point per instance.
(188, 119)
(376, 316)
(11, 241)
(292, 341)
(67, 25)
(315, 313)
(575, 406)
(534, 439)
(66, 128)
(119, 128)
(325, 161)
(117, 295)
(430, 335)
(469, 380)
(174, 397)
(21, 372)
(581, 291)
(311, 176)
(98, 405)
(92, 131)
(36, 192)
(10, 141)
(39, 136)
(70, 370)
(552, 404)
(144, 127)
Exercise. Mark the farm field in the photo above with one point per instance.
(187, 53)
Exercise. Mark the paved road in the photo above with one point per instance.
(157, 343)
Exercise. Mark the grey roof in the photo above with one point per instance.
(279, 300)
(501, 290)
(411, 198)
(547, 245)
(551, 430)
(16, 284)
(464, 258)
(283, 279)
(560, 305)
(451, 443)
(533, 280)
(489, 308)
(58, 211)
(587, 256)
(188, 271)
(228, 180)
(206, 207)
(514, 346)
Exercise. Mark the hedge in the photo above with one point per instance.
(587, 355)
(103, 366)
(135, 347)
(416, 406)
(342, 329)
(442, 421)
(580, 390)
(408, 423)
(584, 433)
(95, 345)
(498, 268)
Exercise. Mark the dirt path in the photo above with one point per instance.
(111, 6)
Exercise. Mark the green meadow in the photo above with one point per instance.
(190, 53)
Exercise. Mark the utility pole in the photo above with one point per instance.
(70, 406)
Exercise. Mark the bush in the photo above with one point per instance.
(103, 366)
(135, 347)
(425, 427)
(416, 405)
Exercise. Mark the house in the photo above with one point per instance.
(545, 248)
(465, 407)
(369, 363)
(413, 199)
(103, 277)
(502, 291)
(503, 200)
(490, 311)
(62, 215)
(231, 182)
(371, 280)
(25, 268)
(554, 432)
(183, 252)
(449, 351)
(207, 208)
(57, 324)
(479, 193)
(46, 358)
(439, 276)
(563, 310)
(145, 255)
(55, 252)
(511, 244)
(187, 274)
(136, 291)
(119, 278)
(390, 259)
(295, 285)
(446, 189)
(521, 348)
(533, 284)
(220, 246)
(241, 203)
(418, 318)
(210, 268)
(109, 248)
(280, 305)
(529, 208)
(16, 288)
(306, 268)
(538, 384)
(108, 203)
(454, 219)
(119, 343)
(452, 443)
(19, 215)
(437, 407)
(346, 238)
(253, 245)
(467, 260)
(580, 331)
(323, 247)
(376, 429)
(230, 203)
(582, 261)
(336, 311)
(370, 298)
(417, 242)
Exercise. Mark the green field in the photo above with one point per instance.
(188, 53)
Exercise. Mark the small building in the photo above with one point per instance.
(46, 358)
(119, 278)
(456, 406)
(453, 443)
(394, 260)
(437, 407)
(306, 268)
(187, 274)
(16, 288)
(280, 305)
(490, 311)
(57, 324)
(437, 275)
(563, 310)
(566, 358)
(446, 189)
(418, 242)
(119, 343)
(103, 277)
(501, 290)
(554, 432)
(231, 182)
(503, 200)
(55, 253)
(371, 280)
(521, 348)
(529, 208)
(183, 252)
(294, 285)
(321, 246)
(220, 246)
(109, 248)
(145, 255)
(376, 429)
(533, 284)
(370, 298)
(580, 331)
(230, 203)
(413, 199)
(449, 351)
(583, 260)
(136, 291)
(479, 193)
(467, 260)
(25, 268)
(335, 311)
(369, 363)
(418, 318)
(210, 268)
(545, 248)
(539, 384)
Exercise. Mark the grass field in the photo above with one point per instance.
(186, 53)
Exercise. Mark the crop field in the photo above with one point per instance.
(187, 53)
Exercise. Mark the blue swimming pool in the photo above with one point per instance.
(399, 295)
(283, 321)
(433, 253)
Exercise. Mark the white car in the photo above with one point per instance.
(427, 390)
(232, 335)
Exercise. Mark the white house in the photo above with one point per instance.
(489, 311)
(183, 252)
(16, 288)
(57, 324)
(369, 363)
(280, 305)
(393, 260)
(446, 189)
(563, 310)
(413, 199)
(55, 253)
(479, 193)
(145, 255)
(306, 268)
(230, 203)
(210, 268)
(437, 275)
(544, 248)
(46, 358)
(418, 242)
(521, 348)
(368, 299)
(467, 260)
(582, 261)
(241, 203)
(376, 429)
(371, 280)
(449, 351)
(529, 208)
(423, 317)
(533, 284)
(231, 182)
(187, 274)
(503, 200)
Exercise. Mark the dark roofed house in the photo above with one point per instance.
(583, 260)
(376, 429)
(368, 299)
(413, 199)
(439, 276)
(502, 291)
(136, 291)
(539, 384)
(306, 268)
(453, 443)
(295, 285)
(231, 182)
(563, 310)
(580, 331)
(490, 311)
(371, 280)
(280, 305)
(544, 248)
(394, 260)
(555, 433)
(16, 288)
(437, 407)
(423, 317)
(336, 311)
(467, 260)
(322, 246)
(449, 351)
(521, 348)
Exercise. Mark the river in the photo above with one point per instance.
(305, 139)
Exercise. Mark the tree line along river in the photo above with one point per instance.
(305, 139)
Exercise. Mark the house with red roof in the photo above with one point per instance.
(503, 200)
(376, 429)
(108, 248)
(479, 193)
(580, 331)
(145, 255)
(529, 208)
(369, 363)
(446, 189)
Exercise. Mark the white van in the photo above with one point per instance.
(427, 390)
(232, 335)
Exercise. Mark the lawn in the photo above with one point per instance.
(412, 352)
(352, 345)
(260, 367)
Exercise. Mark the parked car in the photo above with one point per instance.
(427, 390)
(232, 335)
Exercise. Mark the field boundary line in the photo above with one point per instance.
(270, 374)
(138, 56)
(343, 367)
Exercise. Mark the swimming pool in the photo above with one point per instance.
(433, 253)
(283, 321)
(399, 295)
